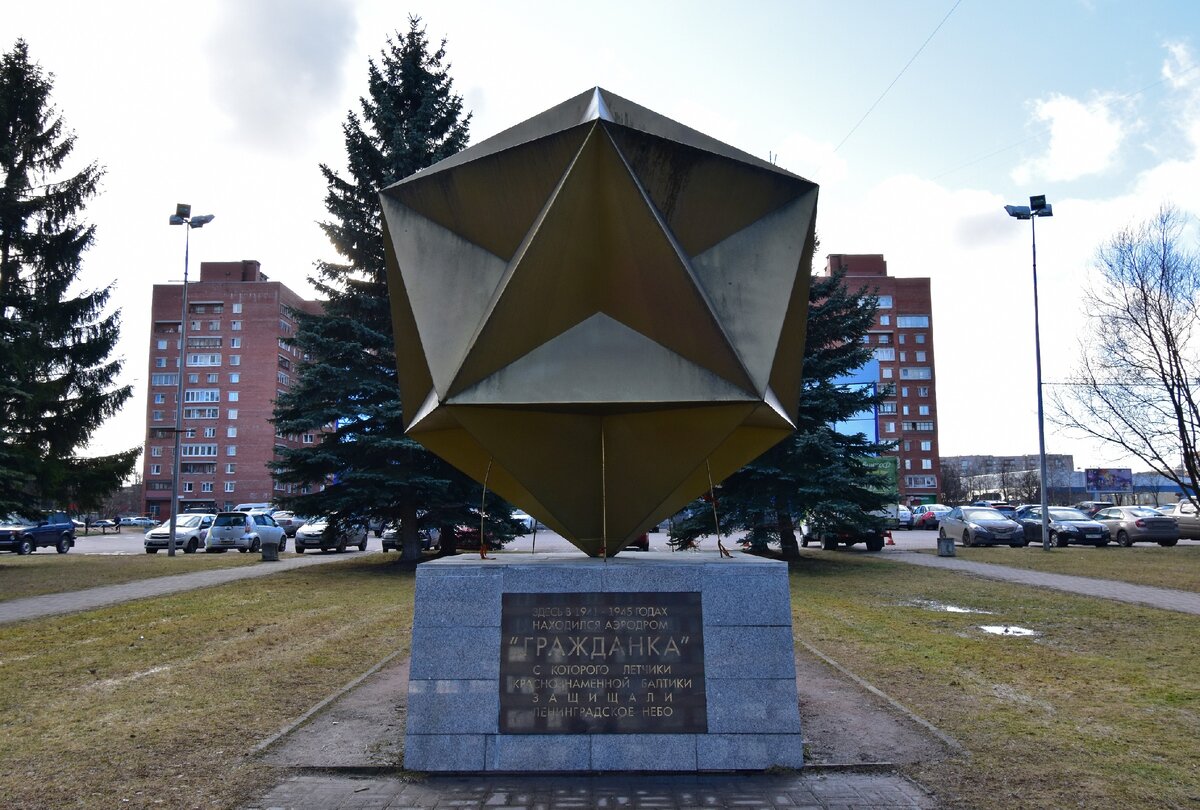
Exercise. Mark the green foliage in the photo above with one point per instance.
(346, 390)
(56, 378)
(817, 473)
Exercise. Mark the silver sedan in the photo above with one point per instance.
(1131, 524)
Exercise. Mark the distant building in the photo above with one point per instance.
(1056, 465)
(236, 364)
(902, 340)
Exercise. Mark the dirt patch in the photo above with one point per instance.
(843, 724)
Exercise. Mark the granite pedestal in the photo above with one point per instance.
(749, 717)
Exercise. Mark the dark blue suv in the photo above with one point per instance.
(25, 536)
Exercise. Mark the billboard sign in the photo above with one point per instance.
(1109, 479)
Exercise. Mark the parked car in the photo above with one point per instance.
(244, 531)
(1090, 508)
(1130, 524)
(25, 536)
(981, 525)
(929, 515)
(191, 530)
(104, 525)
(393, 540)
(904, 517)
(288, 521)
(832, 531)
(144, 522)
(1067, 525)
(319, 532)
(1188, 519)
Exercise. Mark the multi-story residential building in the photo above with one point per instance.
(902, 340)
(235, 365)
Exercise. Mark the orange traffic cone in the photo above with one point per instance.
(889, 541)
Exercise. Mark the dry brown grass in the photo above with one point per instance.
(1177, 567)
(1101, 710)
(38, 574)
(156, 703)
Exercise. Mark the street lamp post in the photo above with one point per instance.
(182, 216)
(1038, 207)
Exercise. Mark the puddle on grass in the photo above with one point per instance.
(1008, 630)
(942, 607)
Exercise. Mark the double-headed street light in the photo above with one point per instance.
(1038, 207)
(182, 216)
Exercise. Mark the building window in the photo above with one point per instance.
(885, 320)
(282, 378)
(202, 395)
(920, 338)
(160, 362)
(235, 377)
(904, 410)
(233, 396)
(884, 340)
(160, 399)
(865, 339)
(923, 391)
(195, 326)
(235, 359)
(231, 450)
(156, 469)
(885, 355)
(920, 481)
(924, 425)
(156, 452)
(212, 378)
(214, 326)
(908, 463)
(235, 343)
(900, 338)
(904, 390)
(926, 464)
(885, 302)
(913, 321)
(884, 407)
(237, 308)
(922, 410)
(889, 427)
(156, 415)
(190, 433)
(210, 433)
(230, 484)
(235, 326)
(187, 486)
(164, 379)
(907, 446)
(903, 357)
(201, 413)
(193, 379)
(233, 413)
(916, 373)
(885, 373)
(192, 450)
(206, 486)
(204, 359)
(160, 344)
(230, 468)
(927, 446)
(920, 357)
(231, 433)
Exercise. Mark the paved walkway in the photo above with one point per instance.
(37, 607)
(830, 791)
(1165, 598)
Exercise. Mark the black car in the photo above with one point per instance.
(25, 536)
(1067, 525)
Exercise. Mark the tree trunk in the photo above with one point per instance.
(787, 535)
(410, 542)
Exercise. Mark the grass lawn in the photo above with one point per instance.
(42, 573)
(1177, 567)
(156, 703)
(1102, 709)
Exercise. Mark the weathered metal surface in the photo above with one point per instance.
(603, 307)
(602, 663)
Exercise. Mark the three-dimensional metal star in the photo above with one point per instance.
(599, 311)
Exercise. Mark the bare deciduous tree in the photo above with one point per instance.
(1136, 386)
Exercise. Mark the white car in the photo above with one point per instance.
(243, 531)
(191, 530)
(318, 533)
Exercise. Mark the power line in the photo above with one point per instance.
(898, 75)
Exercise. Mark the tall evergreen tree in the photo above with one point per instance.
(817, 470)
(56, 378)
(409, 119)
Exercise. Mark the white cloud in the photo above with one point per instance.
(1084, 139)
(277, 62)
(1179, 68)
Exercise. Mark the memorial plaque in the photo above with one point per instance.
(602, 663)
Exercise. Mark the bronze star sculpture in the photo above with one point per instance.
(599, 312)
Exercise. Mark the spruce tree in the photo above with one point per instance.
(56, 375)
(817, 471)
(409, 119)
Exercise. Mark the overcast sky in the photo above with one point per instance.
(231, 105)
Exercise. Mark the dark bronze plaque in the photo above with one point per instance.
(602, 663)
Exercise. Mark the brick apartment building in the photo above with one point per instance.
(235, 365)
(902, 339)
